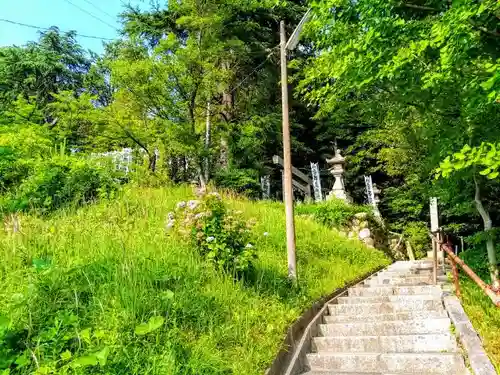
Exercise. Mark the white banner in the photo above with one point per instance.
(318, 194)
(265, 185)
(434, 215)
(369, 190)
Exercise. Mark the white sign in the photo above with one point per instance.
(318, 194)
(265, 185)
(369, 190)
(434, 215)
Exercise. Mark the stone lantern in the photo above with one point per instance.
(337, 170)
(376, 201)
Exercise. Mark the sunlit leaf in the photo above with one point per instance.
(156, 322)
(89, 360)
(102, 356)
(66, 355)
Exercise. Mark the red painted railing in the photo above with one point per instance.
(455, 260)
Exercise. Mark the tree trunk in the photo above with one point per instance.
(490, 246)
(227, 111)
(208, 129)
(152, 162)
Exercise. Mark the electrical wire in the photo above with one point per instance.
(253, 71)
(48, 28)
(99, 9)
(91, 14)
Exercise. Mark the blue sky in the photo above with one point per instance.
(62, 13)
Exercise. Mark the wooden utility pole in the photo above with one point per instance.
(287, 158)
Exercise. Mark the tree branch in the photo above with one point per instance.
(136, 140)
(420, 7)
(485, 30)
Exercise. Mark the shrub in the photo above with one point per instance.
(142, 176)
(418, 234)
(243, 181)
(58, 181)
(477, 258)
(332, 213)
(220, 235)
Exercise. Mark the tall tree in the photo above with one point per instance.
(54, 63)
(422, 75)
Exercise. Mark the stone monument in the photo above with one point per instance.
(337, 170)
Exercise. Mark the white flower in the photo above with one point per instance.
(193, 204)
(181, 204)
(249, 246)
(171, 216)
(199, 216)
(170, 225)
(210, 239)
(266, 234)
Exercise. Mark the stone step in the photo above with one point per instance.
(403, 280)
(394, 290)
(390, 328)
(385, 307)
(356, 373)
(403, 315)
(411, 264)
(411, 271)
(411, 363)
(379, 299)
(387, 344)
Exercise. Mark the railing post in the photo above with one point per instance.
(434, 260)
(456, 281)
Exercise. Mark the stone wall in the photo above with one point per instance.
(367, 229)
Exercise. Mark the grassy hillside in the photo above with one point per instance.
(74, 288)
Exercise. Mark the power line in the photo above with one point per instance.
(48, 28)
(91, 14)
(100, 10)
(253, 71)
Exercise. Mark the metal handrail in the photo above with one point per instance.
(454, 260)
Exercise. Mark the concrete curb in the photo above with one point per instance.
(291, 359)
(478, 359)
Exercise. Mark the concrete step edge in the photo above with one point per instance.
(412, 343)
(377, 362)
(389, 298)
(408, 315)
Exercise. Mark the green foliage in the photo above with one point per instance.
(417, 233)
(241, 181)
(332, 213)
(486, 156)
(58, 181)
(113, 269)
(405, 86)
(154, 323)
(484, 316)
(54, 63)
(221, 236)
(477, 258)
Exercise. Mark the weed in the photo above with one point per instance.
(104, 290)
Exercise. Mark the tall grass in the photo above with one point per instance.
(484, 316)
(75, 286)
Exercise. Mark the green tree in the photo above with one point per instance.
(54, 63)
(418, 80)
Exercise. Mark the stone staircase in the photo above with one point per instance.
(393, 324)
